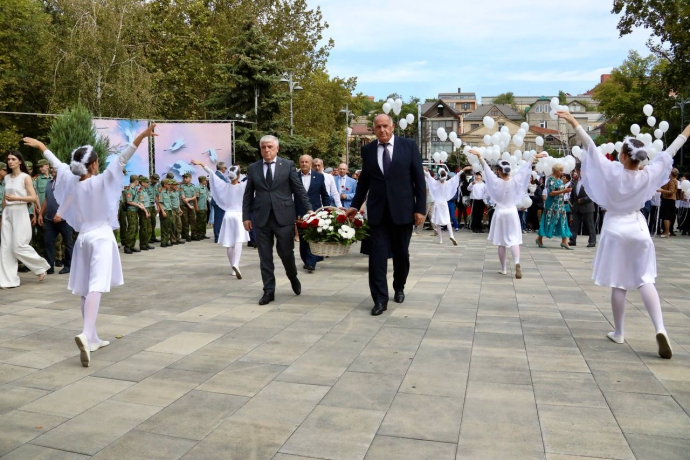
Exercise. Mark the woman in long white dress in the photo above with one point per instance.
(89, 204)
(16, 225)
(626, 258)
(507, 192)
(229, 197)
(442, 190)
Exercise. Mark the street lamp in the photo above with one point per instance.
(348, 131)
(293, 86)
(681, 105)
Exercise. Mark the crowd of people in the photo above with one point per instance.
(261, 208)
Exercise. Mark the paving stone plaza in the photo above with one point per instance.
(472, 365)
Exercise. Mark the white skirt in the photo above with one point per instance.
(441, 215)
(96, 265)
(505, 227)
(232, 230)
(625, 258)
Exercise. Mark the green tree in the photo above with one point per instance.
(74, 129)
(669, 23)
(505, 99)
(562, 98)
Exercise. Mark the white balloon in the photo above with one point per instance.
(539, 141)
(505, 136)
(444, 156)
(686, 195)
(518, 154)
(496, 138)
(553, 115)
(457, 143)
(487, 139)
(466, 150)
(409, 118)
(452, 136)
(396, 110)
(618, 146)
(521, 132)
(658, 133)
(436, 156)
(391, 102)
(663, 126)
(476, 167)
(440, 131)
(505, 156)
(651, 121)
(403, 123)
(504, 129)
(577, 151)
(685, 185)
(528, 155)
(652, 153)
(647, 139)
(658, 144)
(524, 126)
(648, 110)
(488, 122)
(512, 160)
(443, 136)
(517, 140)
(635, 129)
(386, 108)
(611, 146)
(398, 103)
(554, 103)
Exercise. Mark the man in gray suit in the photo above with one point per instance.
(271, 185)
(583, 211)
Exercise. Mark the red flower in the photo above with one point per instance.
(303, 224)
(341, 219)
(315, 223)
(346, 188)
(358, 223)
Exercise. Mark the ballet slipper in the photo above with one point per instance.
(664, 343)
(101, 344)
(615, 338)
(238, 274)
(502, 272)
(455, 243)
(84, 348)
(518, 271)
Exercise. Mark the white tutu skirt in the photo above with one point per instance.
(232, 230)
(505, 227)
(441, 215)
(625, 258)
(96, 265)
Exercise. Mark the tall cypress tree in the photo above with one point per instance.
(74, 129)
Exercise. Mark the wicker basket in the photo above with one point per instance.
(328, 249)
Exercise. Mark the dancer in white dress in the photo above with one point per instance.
(507, 192)
(229, 197)
(442, 190)
(16, 225)
(625, 257)
(89, 203)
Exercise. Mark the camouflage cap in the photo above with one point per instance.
(143, 179)
(29, 164)
(169, 176)
(155, 176)
(133, 178)
(43, 162)
(187, 174)
(202, 178)
(3, 166)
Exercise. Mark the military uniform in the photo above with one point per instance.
(144, 220)
(202, 209)
(165, 206)
(154, 192)
(188, 191)
(176, 220)
(132, 196)
(40, 185)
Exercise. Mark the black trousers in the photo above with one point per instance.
(285, 244)
(588, 220)
(477, 214)
(50, 233)
(385, 237)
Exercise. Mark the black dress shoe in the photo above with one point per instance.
(50, 271)
(249, 245)
(143, 248)
(267, 297)
(64, 271)
(188, 239)
(310, 268)
(590, 245)
(572, 243)
(58, 263)
(127, 250)
(304, 266)
(135, 250)
(155, 240)
(296, 286)
(379, 308)
(399, 296)
(180, 242)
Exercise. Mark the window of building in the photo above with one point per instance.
(538, 109)
(474, 126)
(589, 128)
(544, 124)
(547, 108)
(494, 113)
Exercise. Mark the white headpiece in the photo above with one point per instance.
(636, 153)
(78, 167)
(232, 173)
(505, 166)
(442, 175)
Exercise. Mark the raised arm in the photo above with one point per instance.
(129, 151)
(581, 133)
(678, 143)
(47, 154)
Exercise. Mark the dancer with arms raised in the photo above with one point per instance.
(626, 258)
(89, 203)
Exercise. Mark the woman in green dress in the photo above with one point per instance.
(554, 221)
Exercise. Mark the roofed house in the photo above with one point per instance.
(503, 115)
(436, 115)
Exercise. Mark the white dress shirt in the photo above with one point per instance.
(578, 187)
(306, 180)
(379, 151)
(273, 169)
(477, 190)
(332, 189)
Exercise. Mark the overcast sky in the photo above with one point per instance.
(423, 47)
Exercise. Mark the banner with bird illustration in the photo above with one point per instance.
(121, 133)
(179, 143)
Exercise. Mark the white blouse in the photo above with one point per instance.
(507, 193)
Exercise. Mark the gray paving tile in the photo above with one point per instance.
(652, 415)
(242, 378)
(431, 418)
(18, 427)
(282, 402)
(42, 453)
(145, 446)
(386, 447)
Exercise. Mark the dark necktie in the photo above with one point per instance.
(269, 174)
(386, 159)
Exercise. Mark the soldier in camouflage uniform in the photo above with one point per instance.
(144, 214)
(176, 213)
(133, 206)
(154, 192)
(165, 210)
(40, 184)
(202, 209)
(188, 195)
(122, 214)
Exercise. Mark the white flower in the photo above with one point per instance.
(322, 223)
(347, 228)
(330, 228)
(320, 229)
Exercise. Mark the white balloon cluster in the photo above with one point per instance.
(546, 164)
(685, 187)
(396, 107)
(444, 136)
(556, 107)
(440, 156)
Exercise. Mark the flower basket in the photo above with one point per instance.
(330, 232)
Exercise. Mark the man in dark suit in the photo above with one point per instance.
(315, 185)
(393, 177)
(271, 185)
(583, 211)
